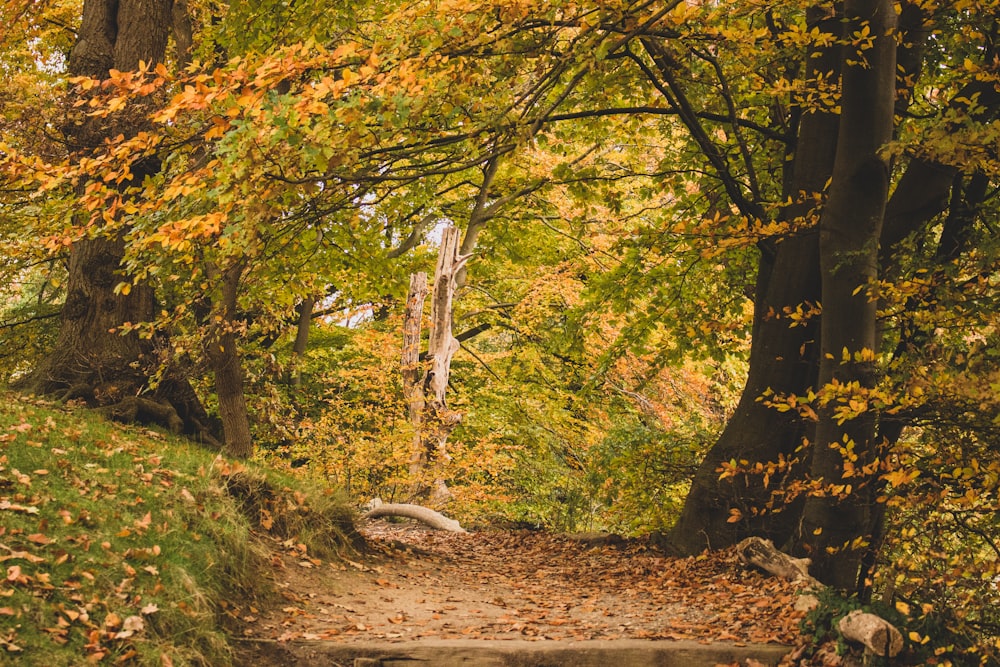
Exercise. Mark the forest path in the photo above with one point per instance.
(421, 585)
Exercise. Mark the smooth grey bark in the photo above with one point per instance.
(782, 357)
(836, 524)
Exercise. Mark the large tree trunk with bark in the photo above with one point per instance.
(783, 357)
(837, 522)
(919, 197)
(92, 358)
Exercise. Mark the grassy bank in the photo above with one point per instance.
(123, 546)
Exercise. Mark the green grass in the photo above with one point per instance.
(124, 546)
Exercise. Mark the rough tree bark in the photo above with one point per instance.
(754, 432)
(92, 359)
(413, 389)
(758, 434)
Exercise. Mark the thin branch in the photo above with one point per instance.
(33, 318)
(727, 96)
(672, 91)
(473, 332)
(413, 238)
(480, 360)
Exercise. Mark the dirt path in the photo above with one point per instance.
(421, 584)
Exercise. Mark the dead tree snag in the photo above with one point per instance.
(425, 385)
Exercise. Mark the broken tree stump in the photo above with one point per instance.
(875, 633)
(425, 385)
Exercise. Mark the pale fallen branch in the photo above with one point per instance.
(419, 513)
(875, 633)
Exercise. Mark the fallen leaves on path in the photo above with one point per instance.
(524, 585)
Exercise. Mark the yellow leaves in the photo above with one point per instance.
(85, 83)
(114, 104)
(180, 235)
(900, 477)
(349, 77)
(801, 314)
(791, 402)
(345, 51)
(327, 85)
(683, 13)
(219, 127)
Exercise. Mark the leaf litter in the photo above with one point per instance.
(496, 585)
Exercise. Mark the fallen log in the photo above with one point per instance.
(419, 513)
(875, 633)
(763, 554)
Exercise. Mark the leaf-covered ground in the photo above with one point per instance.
(119, 545)
(522, 585)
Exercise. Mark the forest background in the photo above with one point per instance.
(729, 267)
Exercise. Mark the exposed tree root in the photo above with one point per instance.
(145, 410)
(173, 405)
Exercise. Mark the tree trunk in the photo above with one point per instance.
(413, 389)
(837, 517)
(441, 347)
(92, 358)
(301, 339)
(782, 358)
(433, 421)
(227, 366)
